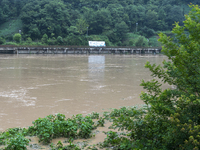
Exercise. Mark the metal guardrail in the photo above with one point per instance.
(73, 46)
(75, 49)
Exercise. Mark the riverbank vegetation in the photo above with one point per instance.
(75, 22)
(170, 119)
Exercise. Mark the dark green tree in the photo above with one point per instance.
(151, 18)
(44, 38)
(45, 17)
(175, 14)
(59, 40)
(99, 21)
(121, 30)
(82, 26)
(2, 40)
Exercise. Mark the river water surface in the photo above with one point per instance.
(33, 86)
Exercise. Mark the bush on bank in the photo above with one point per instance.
(132, 40)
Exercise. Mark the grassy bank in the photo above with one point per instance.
(11, 27)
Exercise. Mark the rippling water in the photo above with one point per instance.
(34, 86)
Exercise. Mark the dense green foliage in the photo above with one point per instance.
(170, 120)
(68, 21)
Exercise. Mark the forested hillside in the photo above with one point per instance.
(74, 22)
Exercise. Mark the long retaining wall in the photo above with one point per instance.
(77, 50)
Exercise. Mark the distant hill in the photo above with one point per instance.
(68, 21)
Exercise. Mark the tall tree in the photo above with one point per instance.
(48, 16)
(151, 19)
(82, 26)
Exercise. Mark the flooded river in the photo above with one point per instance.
(34, 86)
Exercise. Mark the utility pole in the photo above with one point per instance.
(136, 26)
(87, 31)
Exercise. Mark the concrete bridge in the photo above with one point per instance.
(77, 50)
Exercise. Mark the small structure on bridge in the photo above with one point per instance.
(97, 43)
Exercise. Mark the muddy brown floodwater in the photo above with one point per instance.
(33, 86)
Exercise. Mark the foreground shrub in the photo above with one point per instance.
(171, 118)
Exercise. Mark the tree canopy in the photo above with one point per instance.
(102, 17)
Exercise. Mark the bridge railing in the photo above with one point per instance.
(76, 46)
